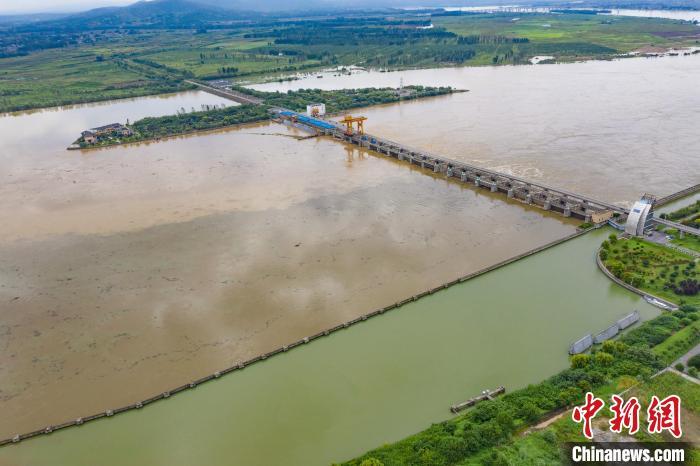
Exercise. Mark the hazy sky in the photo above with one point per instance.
(38, 6)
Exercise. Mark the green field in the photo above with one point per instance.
(688, 241)
(120, 64)
(74, 75)
(651, 267)
(576, 36)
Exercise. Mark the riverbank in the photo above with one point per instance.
(475, 435)
(162, 60)
(661, 272)
(629, 287)
(310, 401)
(183, 123)
(283, 349)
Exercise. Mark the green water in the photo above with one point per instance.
(373, 383)
(678, 203)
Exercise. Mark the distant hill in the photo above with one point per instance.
(208, 13)
(145, 14)
(11, 20)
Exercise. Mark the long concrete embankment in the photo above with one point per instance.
(241, 365)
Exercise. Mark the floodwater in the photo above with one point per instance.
(611, 130)
(683, 15)
(373, 383)
(127, 271)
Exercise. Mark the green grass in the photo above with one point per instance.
(69, 76)
(652, 268)
(679, 343)
(688, 241)
(543, 446)
(669, 383)
(622, 34)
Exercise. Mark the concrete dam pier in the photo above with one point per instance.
(567, 203)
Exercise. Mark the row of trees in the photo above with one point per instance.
(344, 99)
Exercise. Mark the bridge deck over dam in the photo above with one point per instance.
(547, 197)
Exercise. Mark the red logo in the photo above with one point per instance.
(665, 415)
(661, 415)
(587, 412)
(624, 415)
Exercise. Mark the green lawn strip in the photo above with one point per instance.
(688, 241)
(679, 343)
(654, 268)
(472, 437)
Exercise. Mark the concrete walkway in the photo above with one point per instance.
(686, 356)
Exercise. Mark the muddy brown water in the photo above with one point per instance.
(127, 271)
(610, 130)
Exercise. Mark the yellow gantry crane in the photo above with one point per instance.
(350, 120)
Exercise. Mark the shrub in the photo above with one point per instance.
(680, 367)
(371, 462)
(579, 361)
(688, 287)
(603, 359)
(694, 362)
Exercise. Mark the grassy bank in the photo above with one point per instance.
(153, 128)
(651, 267)
(487, 434)
(543, 446)
(116, 63)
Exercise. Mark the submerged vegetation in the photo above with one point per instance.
(486, 433)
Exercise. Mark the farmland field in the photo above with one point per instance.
(141, 62)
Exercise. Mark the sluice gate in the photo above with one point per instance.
(567, 203)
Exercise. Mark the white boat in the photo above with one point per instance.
(657, 303)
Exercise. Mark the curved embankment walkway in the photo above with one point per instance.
(285, 348)
(612, 277)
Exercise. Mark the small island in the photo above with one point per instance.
(155, 128)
